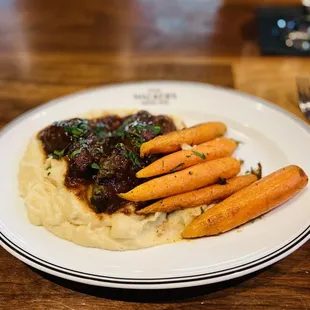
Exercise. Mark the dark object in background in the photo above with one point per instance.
(284, 31)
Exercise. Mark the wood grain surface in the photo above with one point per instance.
(53, 48)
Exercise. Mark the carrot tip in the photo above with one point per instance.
(127, 196)
(187, 235)
(139, 174)
(122, 195)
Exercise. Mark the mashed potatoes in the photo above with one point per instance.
(51, 205)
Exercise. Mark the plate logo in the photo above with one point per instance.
(155, 96)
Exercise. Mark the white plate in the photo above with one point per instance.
(269, 135)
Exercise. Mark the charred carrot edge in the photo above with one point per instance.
(185, 180)
(201, 196)
(172, 141)
(249, 203)
(221, 147)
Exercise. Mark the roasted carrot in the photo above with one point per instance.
(200, 196)
(249, 203)
(221, 147)
(172, 141)
(185, 180)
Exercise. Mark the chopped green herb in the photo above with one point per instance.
(137, 142)
(77, 130)
(201, 155)
(137, 137)
(190, 172)
(258, 170)
(155, 129)
(95, 166)
(134, 136)
(133, 132)
(176, 167)
(132, 156)
(74, 153)
(222, 181)
(121, 145)
(188, 156)
(120, 134)
(83, 142)
(49, 173)
(241, 161)
(49, 167)
(220, 135)
(58, 154)
(103, 134)
(202, 210)
(83, 125)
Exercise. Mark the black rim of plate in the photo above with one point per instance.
(246, 267)
(303, 236)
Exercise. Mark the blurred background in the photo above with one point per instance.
(52, 48)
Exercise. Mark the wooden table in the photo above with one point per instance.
(52, 48)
